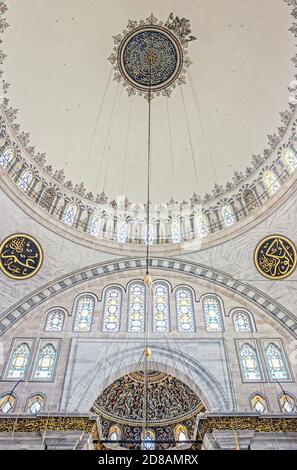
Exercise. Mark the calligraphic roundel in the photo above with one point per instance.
(20, 256)
(275, 257)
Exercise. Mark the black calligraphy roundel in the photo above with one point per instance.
(20, 256)
(275, 257)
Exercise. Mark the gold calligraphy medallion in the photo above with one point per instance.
(275, 257)
(20, 256)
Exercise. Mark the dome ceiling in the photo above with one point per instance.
(168, 399)
(62, 84)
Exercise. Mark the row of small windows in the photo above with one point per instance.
(259, 404)
(112, 311)
(35, 403)
(20, 359)
(270, 181)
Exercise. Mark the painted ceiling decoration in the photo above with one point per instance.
(150, 57)
(175, 32)
(20, 256)
(168, 399)
(275, 257)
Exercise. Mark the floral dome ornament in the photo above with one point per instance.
(151, 57)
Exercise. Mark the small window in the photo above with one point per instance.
(54, 320)
(175, 231)
(287, 403)
(271, 182)
(259, 404)
(7, 403)
(19, 361)
(241, 321)
(95, 225)
(276, 362)
(250, 363)
(25, 180)
(70, 214)
(122, 231)
(36, 404)
(212, 314)
(160, 307)
(46, 361)
(136, 307)
(227, 214)
(6, 157)
(148, 438)
(181, 434)
(84, 311)
(112, 309)
(290, 159)
(184, 310)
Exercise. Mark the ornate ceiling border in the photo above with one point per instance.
(39, 159)
(198, 271)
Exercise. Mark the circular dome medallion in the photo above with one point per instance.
(275, 257)
(150, 58)
(20, 256)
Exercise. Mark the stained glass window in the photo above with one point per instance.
(122, 231)
(7, 403)
(276, 362)
(48, 198)
(95, 225)
(241, 321)
(136, 307)
(250, 362)
(181, 433)
(175, 231)
(212, 314)
(36, 404)
(160, 307)
(115, 433)
(25, 180)
(259, 404)
(271, 182)
(290, 159)
(287, 403)
(19, 361)
(6, 157)
(84, 313)
(149, 234)
(70, 213)
(227, 214)
(184, 309)
(148, 439)
(54, 320)
(112, 309)
(203, 225)
(46, 360)
(250, 200)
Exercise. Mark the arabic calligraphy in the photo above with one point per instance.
(275, 257)
(20, 256)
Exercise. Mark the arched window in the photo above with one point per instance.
(250, 362)
(95, 225)
(84, 310)
(70, 213)
(287, 403)
(181, 434)
(25, 180)
(148, 438)
(175, 231)
(160, 307)
(136, 307)
(203, 225)
(290, 159)
(7, 403)
(149, 234)
(115, 433)
(241, 321)
(6, 157)
(112, 309)
(212, 314)
(227, 214)
(48, 197)
(36, 404)
(122, 231)
(184, 309)
(276, 362)
(19, 361)
(46, 360)
(259, 404)
(250, 200)
(271, 183)
(54, 320)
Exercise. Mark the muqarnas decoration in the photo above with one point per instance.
(151, 57)
(275, 257)
(20, 256)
